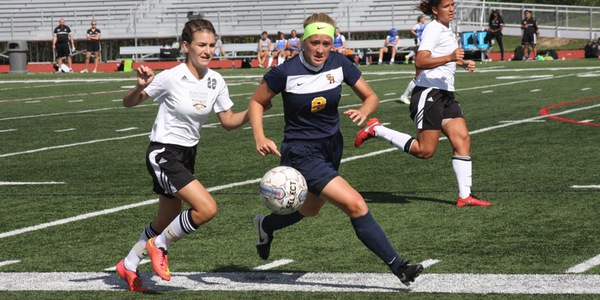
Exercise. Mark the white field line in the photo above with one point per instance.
(9, 262)
(64, 130)
(29, 183)
(251, 181)
(256, 180)
(126, 129)
(586, 265)
(516, 122)
(429, 262)
(74, 144)
(110, 211)
(76, 218)
(275, 264)
(508, 284)
(586, 186)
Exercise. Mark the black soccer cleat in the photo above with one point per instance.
(407, 273)
(263, 244)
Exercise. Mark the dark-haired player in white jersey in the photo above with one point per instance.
(311, 85)
(432, 106)
(186, 95)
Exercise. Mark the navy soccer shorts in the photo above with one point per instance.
(318, 161)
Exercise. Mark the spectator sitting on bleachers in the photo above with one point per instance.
(390, 46)
(219, 52)
(293, 46)
(279, 50)
(339, 41)
(264, 49)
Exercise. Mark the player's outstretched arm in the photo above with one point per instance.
(370, 102)
(260, 101)
(136, 95)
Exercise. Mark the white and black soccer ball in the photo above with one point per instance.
(283, 190)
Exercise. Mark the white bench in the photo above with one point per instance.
(234, 50)
(143, 51)
(146, 52)
(368, 48)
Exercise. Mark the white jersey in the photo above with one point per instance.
(184, 104)
(440, 41)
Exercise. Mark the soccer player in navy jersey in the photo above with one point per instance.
(433, 106)
(311, 85)
(186, 95)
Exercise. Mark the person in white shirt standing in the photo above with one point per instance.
(433, 107)
(186, 95)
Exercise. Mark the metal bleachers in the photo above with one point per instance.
(34, 20)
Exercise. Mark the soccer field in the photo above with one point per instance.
(75, 194)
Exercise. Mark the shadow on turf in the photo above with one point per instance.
(387, 197)
(227, 274)
(254, 279)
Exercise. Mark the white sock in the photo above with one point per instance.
(138, 252)
(380, 61)
(411, 54)
(280, 60)
(270, 61)
(409, 88)
(178, 229)
(392, 59)
(463, 170)
(400, 140)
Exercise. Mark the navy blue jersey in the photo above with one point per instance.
(311, 98)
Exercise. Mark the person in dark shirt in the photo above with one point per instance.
(63, 44)
(310, 85)
(93, 46)
(530, 34)
(496, 24)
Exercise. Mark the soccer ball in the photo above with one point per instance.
(283, 190)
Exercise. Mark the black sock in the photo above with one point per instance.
(274, 221)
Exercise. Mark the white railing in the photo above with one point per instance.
(582, 22)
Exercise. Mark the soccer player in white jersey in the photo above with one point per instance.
(311, 85)
(432, 106)
(186, 95)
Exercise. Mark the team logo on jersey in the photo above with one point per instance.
(198, 99)
(330, 78)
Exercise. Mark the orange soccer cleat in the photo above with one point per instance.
(472, 200)
(160, 259)
(132, 278)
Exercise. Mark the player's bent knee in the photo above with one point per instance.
(356, 208)
(424, 154)
(204, 214)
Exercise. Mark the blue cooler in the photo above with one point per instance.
(468, 40)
